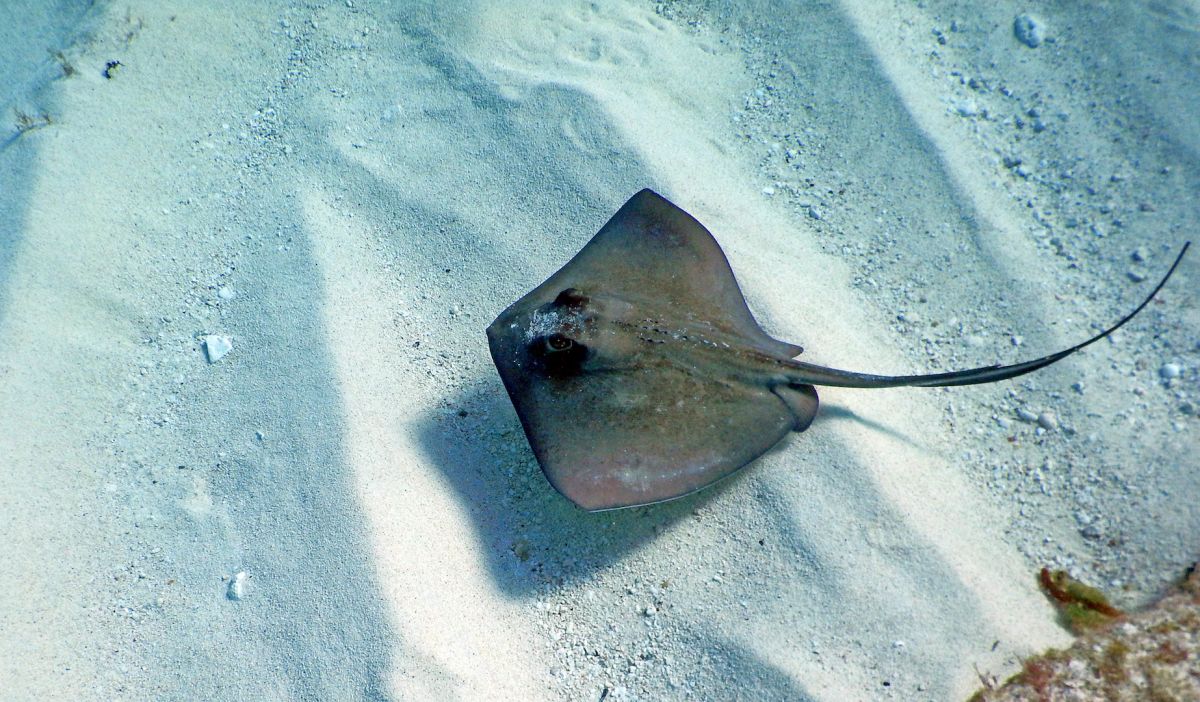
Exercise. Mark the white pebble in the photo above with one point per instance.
(225, 293)
(237, 585)
(1170, 370)
(1029, 30)
(216, 346)
(1047, 421)
(768, 191)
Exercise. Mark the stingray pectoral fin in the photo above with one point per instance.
(653, 254)
(807, 373)
(644, 435)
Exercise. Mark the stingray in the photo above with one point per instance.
(639, 374)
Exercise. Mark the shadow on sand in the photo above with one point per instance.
(537, 537)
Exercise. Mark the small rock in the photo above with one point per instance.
(1047, 421)
(815, 213)
(768, 191)
(1139, 254)
(1029, 30)
(966, 108)
(1026, 415)
(216, 346)
(1091, 531)
(1170, 371)
(225, 293)
(237, 586)
(1135, 275)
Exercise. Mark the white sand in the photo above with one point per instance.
(352, 191)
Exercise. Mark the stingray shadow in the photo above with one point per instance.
(534, 537)
(829, 412)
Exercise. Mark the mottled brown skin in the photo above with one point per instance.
(639, 374)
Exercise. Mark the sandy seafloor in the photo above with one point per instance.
(353, 190)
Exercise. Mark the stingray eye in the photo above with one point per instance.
(557, 343)
(559, 355)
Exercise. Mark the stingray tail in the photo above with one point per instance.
(807, 373)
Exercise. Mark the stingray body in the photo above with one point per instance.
(639, 374)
